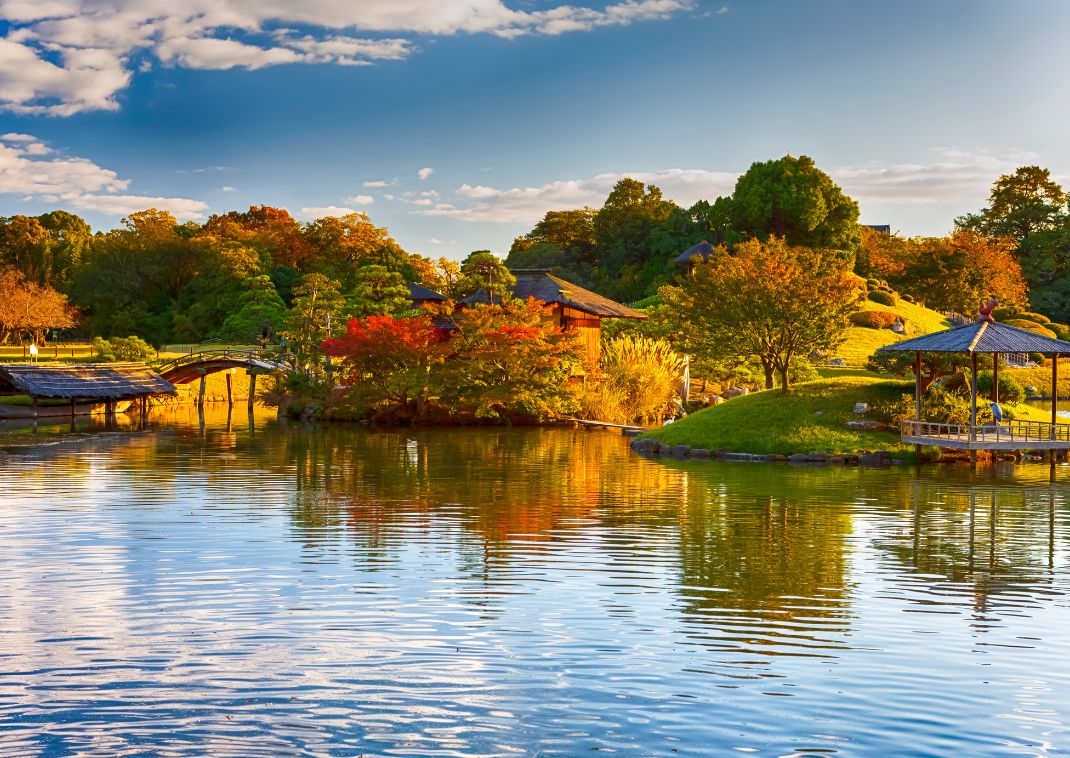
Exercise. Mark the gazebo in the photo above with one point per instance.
(988, 337)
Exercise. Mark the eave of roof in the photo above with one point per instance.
(981, 337)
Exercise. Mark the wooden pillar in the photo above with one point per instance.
(34, 399)
(201, 391)
(995, 377)
(1054, 402)
(230, 389)
(252, 391)
(917, 398)
(973, 406)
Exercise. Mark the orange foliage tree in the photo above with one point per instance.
(30, 310)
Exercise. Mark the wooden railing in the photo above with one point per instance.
(264, 356)
(1010, 431)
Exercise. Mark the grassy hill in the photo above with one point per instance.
(862, 342)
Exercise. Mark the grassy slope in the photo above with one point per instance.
(771, 422)
(862, 343)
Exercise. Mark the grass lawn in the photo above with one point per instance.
(771, 422)
(1040, 377)
(862, 343)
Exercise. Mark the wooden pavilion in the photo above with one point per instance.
(93, 383)
(419, 295)
(985, 337)
(701, 252)
(577, 309)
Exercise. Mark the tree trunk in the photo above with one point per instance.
(784, 379)
(768, 366)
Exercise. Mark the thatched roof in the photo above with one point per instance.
(982, 337)
(703, 250)
(542, 285)
(420, 294)
(84, 381)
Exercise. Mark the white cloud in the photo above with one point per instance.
(226, 188)
(65, 56)
(311, 214)
(955, 177)
(425, 173)
(360, 199)
(380, 183)
(434, 241)
(529, 204)
(78, 183)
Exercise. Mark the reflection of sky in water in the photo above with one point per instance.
(489, 592)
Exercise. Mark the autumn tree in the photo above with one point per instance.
(483, 271)
(387, 364)
(30, 310)
(510, 360)
(767, 300)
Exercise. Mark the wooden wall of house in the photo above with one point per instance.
(589, 329)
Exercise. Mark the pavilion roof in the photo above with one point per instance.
(420, 293)
(703, 250)
(981, 337)
(542, 285)
(83, 381)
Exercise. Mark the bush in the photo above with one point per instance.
(873, 284)
(1006, 312)
(908, 298)
(938, 405)
(123, 349)
(1062, 331)
(882, 297)
(874, 319)
(1038, 358)
(1010, 391)
(1039, 318)
(1031, 326)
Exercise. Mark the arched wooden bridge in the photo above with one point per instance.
(188, 368)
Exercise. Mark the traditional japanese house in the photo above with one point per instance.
(578, 310)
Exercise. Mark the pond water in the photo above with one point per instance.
(281, 589)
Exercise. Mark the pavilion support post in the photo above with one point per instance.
(252, 391)
(917, 400)
(1054, 401)
(995, 377)
(230, 390)
(973, 406)
(201, 391)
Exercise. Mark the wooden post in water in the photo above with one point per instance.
(917, 399)
(252, 390)
(201, 391)
(1054, 401)
(230, 388)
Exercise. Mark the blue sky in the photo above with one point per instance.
(513, 108)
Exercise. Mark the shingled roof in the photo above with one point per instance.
(419, 294)
(82, 381)
(542, 285)
(703, 250)
(981, 337)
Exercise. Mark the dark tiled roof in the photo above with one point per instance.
(882, 228)
(85, 381)
(542, 285)
(419, 293)
(702, 250)
(982, 337)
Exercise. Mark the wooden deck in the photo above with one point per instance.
(1010, 435)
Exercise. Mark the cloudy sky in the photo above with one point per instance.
(458, 123)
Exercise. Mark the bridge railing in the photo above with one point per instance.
(273, 357)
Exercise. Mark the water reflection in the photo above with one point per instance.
(250, 586)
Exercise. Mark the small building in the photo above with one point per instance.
(879, 228)
(703, 251)
(106, 383)
(419, 295)
(577, 309)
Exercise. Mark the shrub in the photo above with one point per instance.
(938, 405)
(123, 349)
(641, 381)
(1062, 331)
(908, 298)
(882, 297)
(1006, 312)
(1038, 358)
(1039, 318)
(1010, 391)
(1031, 326)
(873, 319)
(873, 284)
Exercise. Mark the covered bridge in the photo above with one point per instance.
(985, 337)
(577, 309)
(106, 383)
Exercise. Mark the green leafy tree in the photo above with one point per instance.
(767, 300)
(483, 271)
(260, 315)
(1020, 205)
(316, 313)
(792, 198)
(378, 291)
